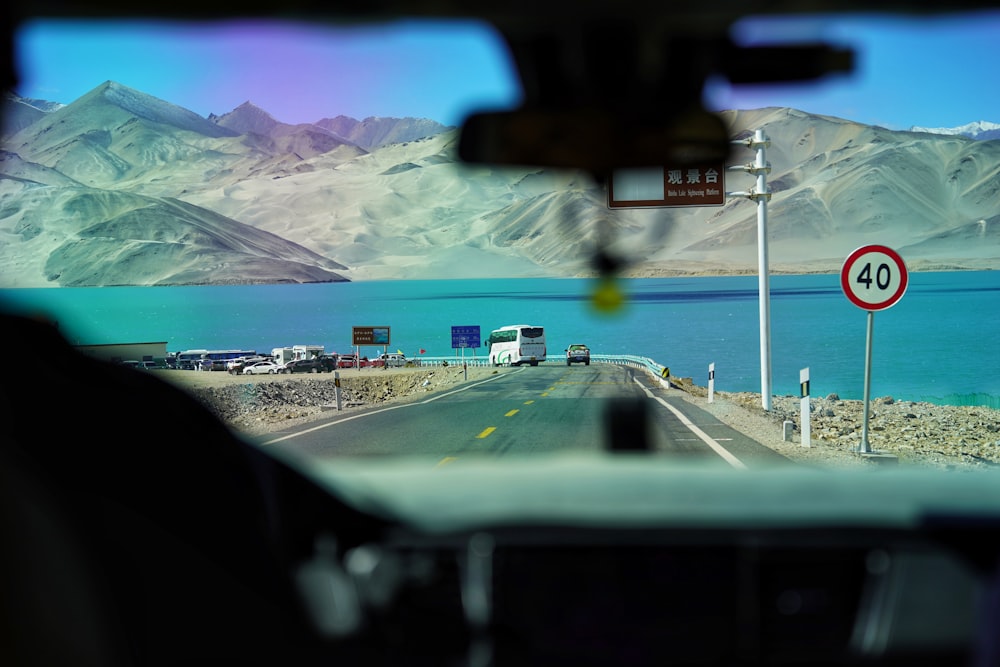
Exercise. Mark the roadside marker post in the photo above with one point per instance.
(873, 278)
(336, 390)
(804, 417)
(711, 382)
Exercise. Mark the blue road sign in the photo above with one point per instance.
(464, 337)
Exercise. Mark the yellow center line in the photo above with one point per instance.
(512, 413)
(545, 394)
(552, 388)
(446, 460)
(612, 382)
(529, 402)
(486, 432)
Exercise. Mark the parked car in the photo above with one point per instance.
(302, 366)
(327, 362)
(577, 353)
(261, 368)
(347, 361)
(236, 366)
(390, 360)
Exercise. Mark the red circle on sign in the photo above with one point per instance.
(852, 292)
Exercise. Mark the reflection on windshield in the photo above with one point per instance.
(278, 216)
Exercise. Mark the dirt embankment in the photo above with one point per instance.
(942, 436)
(258, 404)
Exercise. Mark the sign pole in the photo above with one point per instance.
(874, 277)
(865, 447)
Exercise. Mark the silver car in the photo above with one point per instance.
(261, 368)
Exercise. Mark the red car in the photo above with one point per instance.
(347, 361)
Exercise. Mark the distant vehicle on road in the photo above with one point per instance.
(347, 361)
(516, 344)
(261, 368)
(577, 353)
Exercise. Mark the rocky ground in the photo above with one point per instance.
(264, 403)
(902, 432)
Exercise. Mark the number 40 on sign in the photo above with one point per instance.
(874, 277)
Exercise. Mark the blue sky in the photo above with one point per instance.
(297, 73)
(934, 72)
(925, 71)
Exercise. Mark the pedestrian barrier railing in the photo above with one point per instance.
(629, 360)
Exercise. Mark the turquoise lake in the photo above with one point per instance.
(939, 343)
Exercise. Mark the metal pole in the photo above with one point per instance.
(865, 447)
(763, 272)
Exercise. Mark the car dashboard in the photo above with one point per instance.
(679, 566)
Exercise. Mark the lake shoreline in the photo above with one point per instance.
(908, 432)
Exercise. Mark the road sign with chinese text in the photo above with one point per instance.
(370, 336)
(664, 187)
(467, 336)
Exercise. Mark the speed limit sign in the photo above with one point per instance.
(874, 277)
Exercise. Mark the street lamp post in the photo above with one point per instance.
(760, 194)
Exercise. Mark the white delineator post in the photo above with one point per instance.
(804, 407)
(760, 194)
(711, 382)
(336, 390)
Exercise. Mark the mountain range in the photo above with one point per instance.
(121, 188)
(981, 130)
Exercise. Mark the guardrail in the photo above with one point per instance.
(449, 361)
(632, 361)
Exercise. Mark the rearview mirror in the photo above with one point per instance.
(596, 139)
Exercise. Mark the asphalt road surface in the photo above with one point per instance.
(536, 410)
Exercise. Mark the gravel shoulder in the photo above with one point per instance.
(261, 404)
(903, 432)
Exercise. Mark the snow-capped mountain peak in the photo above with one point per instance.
(980, 129)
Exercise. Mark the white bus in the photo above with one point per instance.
(516, 344)
(209, 359)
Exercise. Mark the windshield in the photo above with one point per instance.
(189, 195)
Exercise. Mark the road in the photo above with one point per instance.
(544, 409)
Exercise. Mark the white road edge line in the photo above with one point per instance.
(375, 412)
(716, 447)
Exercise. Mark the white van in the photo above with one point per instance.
(392, 360)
